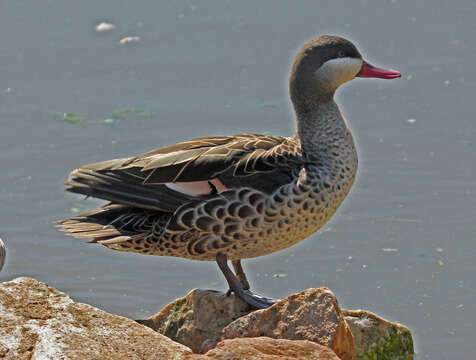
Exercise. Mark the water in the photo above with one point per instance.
(403, 243)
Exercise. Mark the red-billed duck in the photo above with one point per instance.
(220, 198)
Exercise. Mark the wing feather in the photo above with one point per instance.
(244, 160)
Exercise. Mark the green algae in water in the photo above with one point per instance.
(133, 114)
(266, 105)
(71, 118)
(113, 120)
(106, 122)
(396, 346)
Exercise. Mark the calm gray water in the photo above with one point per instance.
(403, 244)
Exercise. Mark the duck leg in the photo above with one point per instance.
(240, 274)
(237, 287)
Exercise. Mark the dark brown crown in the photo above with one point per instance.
(310, 58)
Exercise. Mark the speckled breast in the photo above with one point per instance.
(293, 213)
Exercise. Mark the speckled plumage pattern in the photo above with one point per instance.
(279, 190)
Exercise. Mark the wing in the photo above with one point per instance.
(168, 177)
(206, 158)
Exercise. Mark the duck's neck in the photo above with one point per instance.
(322, 131)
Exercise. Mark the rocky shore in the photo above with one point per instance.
(40, 322)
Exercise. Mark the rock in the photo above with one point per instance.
(377, 338)
(198, 319)
(37, 321)
(265, 348)
(40, 322)
(202, 317)
(312, 314)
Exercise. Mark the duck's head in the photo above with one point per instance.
(325, 63)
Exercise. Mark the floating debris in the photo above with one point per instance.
(446, 82)
(438, 249)
(280, 275)
(129, 40)
(104, 26)
(411, 121)
(441, 263)
(390, 250)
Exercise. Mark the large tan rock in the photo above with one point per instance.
(377, 338)
(203, 317)
(312, 314)
(264, 348)
(40, 322)
(198, 319)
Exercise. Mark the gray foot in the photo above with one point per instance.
(235, 286)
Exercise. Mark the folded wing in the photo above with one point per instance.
(166, 178)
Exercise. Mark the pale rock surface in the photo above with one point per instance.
(40, 322)
(197, 319)
(312, 314)
(264, 348)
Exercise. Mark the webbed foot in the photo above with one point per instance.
(241, 288)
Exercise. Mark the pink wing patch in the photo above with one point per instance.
(195, 188)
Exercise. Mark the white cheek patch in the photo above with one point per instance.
(335, 72)
(196, 188)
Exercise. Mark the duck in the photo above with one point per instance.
(228, 198)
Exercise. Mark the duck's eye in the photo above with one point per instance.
(340, 54)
